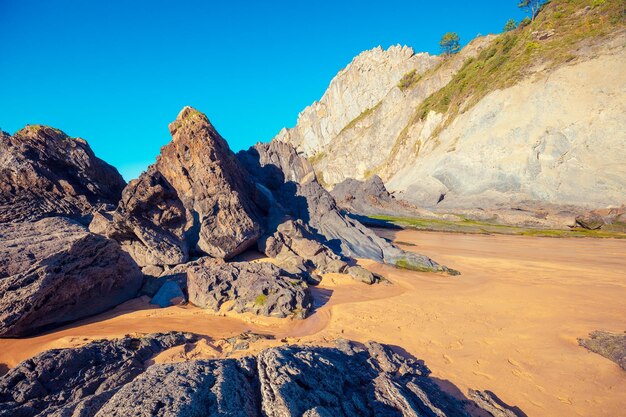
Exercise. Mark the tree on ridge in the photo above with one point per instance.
(450, 43)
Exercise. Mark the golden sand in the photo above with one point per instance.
(508, 324)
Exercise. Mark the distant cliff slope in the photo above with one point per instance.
(535, 114)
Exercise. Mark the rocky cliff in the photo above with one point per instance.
(528, 115)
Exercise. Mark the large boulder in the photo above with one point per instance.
(296, 193)
(195, 199)
(77, 382)
(54, 271)
(109, 379)
(612, 219)
(44, 173)
(261, 288)
(295, 247)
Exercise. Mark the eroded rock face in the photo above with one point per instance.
(109, 378)
(53, 271)
(298, 195)
(45, 173)
(194, 200)
(356, 88)
(77, 382)
(261, 288)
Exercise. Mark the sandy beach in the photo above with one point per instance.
(508, 324)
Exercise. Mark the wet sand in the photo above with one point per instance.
(508, 324)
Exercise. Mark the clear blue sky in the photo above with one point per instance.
(117, 72)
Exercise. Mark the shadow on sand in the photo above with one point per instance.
(450, 389)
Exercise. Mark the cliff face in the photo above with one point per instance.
(524, 116)
(355, 89)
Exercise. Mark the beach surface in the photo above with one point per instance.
(509, 324)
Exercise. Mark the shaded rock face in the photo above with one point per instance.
(261, 288)
(77, 382)
(108, 378)
(297, 250)
(45, 173)
(297, 194)
(53, 271)
(194, 200)
(370, 197)
(611, 346)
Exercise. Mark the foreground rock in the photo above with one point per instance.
(288, 188)
(610, 345)
(108, 378)
(77, 382)
(261, 288)
(44, 173)
(194, 200)
(54, 271)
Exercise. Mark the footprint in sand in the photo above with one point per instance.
(518, 371)
(482, 374)
(565, 400)
(447, 358)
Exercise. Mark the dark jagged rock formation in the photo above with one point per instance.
(77, 382)
(108, 378)
(194, 199)
(261, 288)
(611, 346)
(288, 188)
(295, 247)
(45, 173)
(53, 271)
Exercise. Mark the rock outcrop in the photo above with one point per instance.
(261, 288)
(606, 219)
(297, 250)
(45, 173)
(287, 192)
(610, 345)
(108, 378)
(194, 200)
(451, 138)
(54, 271)
(371, 197)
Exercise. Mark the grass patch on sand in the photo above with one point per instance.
(404, 264)
(260, 300)
(481, 227)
